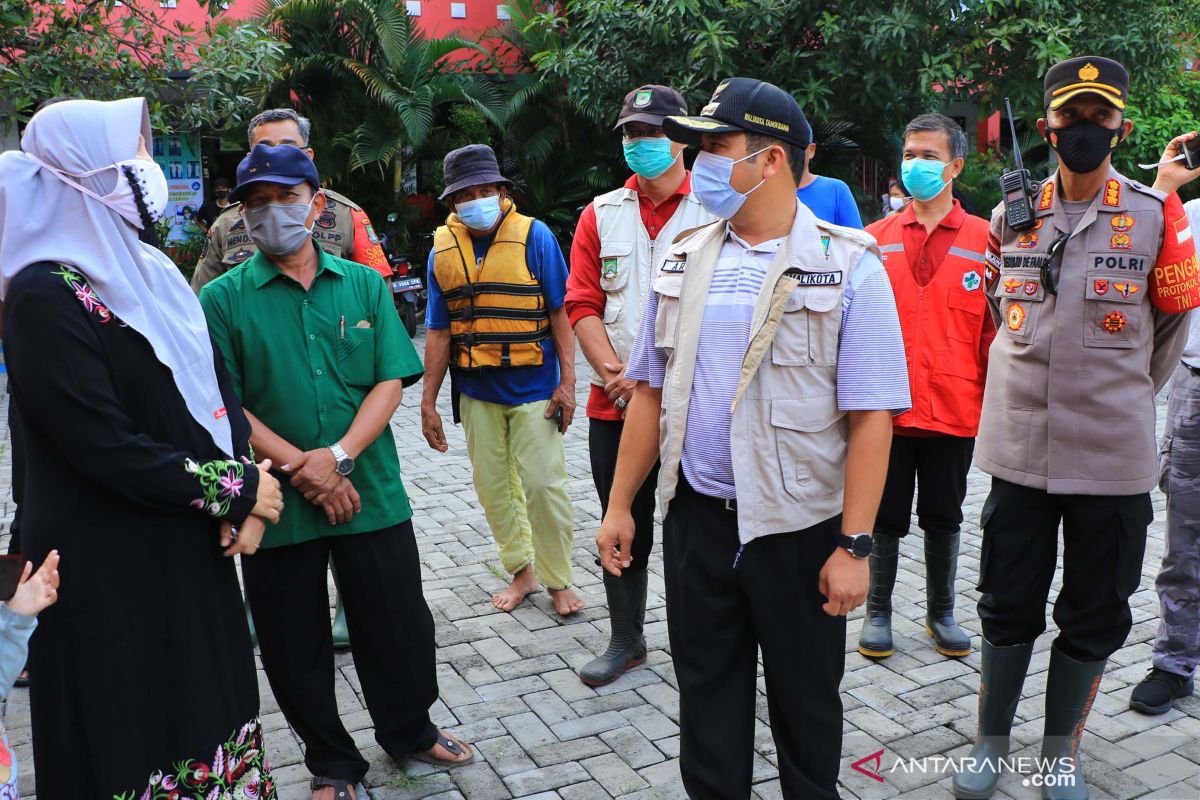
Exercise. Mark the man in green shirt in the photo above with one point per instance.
(319, 359)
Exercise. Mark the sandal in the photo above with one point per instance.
(463, 753)
(341, 788)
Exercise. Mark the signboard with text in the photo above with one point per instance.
(179, 157)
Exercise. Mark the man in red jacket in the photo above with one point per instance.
(934, 255)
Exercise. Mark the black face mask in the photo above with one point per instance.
(220, 194)
(1083, 146)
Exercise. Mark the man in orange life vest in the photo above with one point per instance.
(933, 252)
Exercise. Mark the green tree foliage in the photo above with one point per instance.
(100, 51)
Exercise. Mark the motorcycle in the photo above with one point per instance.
(408, 284)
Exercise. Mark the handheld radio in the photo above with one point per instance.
(1014, 185)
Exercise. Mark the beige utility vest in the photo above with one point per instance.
(787, 438)
(629, 259)
(1068, 406)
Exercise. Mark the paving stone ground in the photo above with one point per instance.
(508, 681)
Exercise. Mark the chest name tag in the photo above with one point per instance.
(815, 278)
(672, 266)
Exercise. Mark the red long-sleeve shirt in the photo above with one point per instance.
(585, 298)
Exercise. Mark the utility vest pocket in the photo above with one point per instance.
(668, 287)
(808, 444)
(1022, 298)
(809, 328)
(1114, 309)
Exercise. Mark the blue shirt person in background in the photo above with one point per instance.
(828, 198)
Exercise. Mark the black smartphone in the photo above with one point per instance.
(558, 419)
(11, 568)
(1191, 153)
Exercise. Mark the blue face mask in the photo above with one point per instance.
(710, 182)
(480, 214)
(923, 178)
(649, 156)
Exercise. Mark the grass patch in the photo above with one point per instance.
(406, 780)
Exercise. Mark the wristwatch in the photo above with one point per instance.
(345, 464)
(856, 544)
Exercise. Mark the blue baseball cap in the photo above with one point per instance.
(282, 164)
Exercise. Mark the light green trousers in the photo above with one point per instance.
(520, 475)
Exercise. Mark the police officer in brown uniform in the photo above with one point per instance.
(1087, 302)
(343, 229)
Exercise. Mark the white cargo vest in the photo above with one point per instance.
(629, 259)
(787, 438)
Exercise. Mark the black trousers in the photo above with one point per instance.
(1104, 539)
(16, 433)
(390, 627)
(938, 465)
(604, 437)
(718, 616)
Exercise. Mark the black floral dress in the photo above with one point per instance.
(145, 685)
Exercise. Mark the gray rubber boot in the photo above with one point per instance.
(341, 632)
(1070, 689)
(627, 614)
(875, 641)
(1000, 682)
(941, 565)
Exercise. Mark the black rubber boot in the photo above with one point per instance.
(1000, 681)
(627, 614)
(1070, 689)
(341, 632)
(875, 641)
(941, 565)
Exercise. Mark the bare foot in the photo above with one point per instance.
(566, 602)
(523, 584)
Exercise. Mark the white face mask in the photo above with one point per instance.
(896, 203)
(123, 199)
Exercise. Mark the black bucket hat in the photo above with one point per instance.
(472, 165)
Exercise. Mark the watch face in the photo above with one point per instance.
(860, 545)
(345, 466)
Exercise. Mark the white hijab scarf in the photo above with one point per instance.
(45, 218)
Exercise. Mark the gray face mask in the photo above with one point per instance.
(278, 228)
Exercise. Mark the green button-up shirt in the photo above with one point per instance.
(303, 362)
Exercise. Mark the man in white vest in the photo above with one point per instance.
(620, 244)
(769, 361)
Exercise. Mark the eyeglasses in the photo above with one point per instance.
(1056, 248)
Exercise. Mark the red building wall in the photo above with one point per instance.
(436, 17)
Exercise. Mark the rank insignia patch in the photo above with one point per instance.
(1011, 285)
(1031, 288)
(1037, 226)
(1016, 317)
(971, 281)
(1027, 240)
(1100, 285)
(1126, 289)
(1047, 197)
(1119, 241)
(1112, 193)
(1122, 222)
(1114, 322)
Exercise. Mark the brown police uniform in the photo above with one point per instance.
(343, 230)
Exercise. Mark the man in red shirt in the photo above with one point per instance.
(934, 255)
(620, 244)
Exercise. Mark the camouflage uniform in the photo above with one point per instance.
(1177, 645)
(343, 229)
